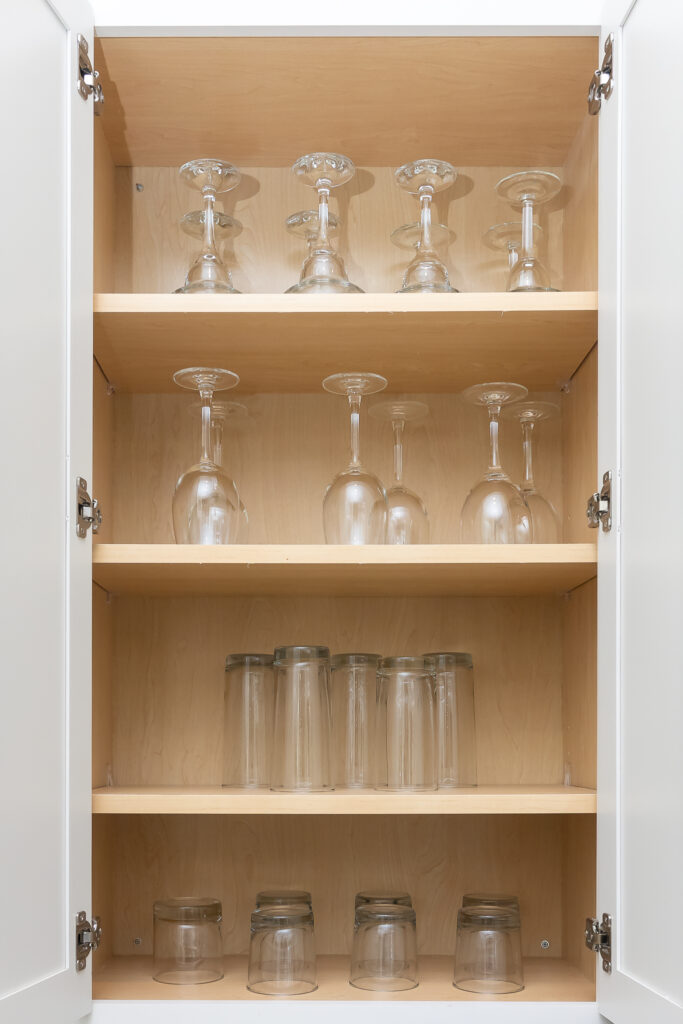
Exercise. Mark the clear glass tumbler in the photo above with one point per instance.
(368, 896)
(488, 950)
(302, 729)
(248, 722)
(188, 948)
(283, 898)
(282, 951)
(384, 956)
(455, 731)
(406, 735)
(354, 701)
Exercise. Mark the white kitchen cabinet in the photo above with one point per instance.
(578, 707)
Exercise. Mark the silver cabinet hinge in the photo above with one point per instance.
(88, 79)
(602, 82)
(599, 939)
(599, 507)
(88, 936)
(88, 511)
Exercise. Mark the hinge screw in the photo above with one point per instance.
(545, 944)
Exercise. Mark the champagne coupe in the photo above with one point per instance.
(206, 504)
(495, 511)
(543, 512)
(507, 238)
(407, 520)
(355, 503)
(323, 269)
(527, 189)
(423, 178)
(221, 413)
(208, 273)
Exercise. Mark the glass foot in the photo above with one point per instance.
(333, 168)
(198, 378)
(494, 393)
(214, 175)
(355, 383)
(435, 174)
(535, 186)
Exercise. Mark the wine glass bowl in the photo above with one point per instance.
(543, 513)
(527, 189)
(407, 518)
(424, 178)
(221, 414)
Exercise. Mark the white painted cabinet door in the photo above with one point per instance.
(640, 608)
(45, 579)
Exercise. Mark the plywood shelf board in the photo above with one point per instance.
(274, 342)
(551, 980)
(217, 800)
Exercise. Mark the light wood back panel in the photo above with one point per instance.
(579, 688)
(153, 254)
(435, 858)
(169, 677)
(284, 455)
(580, 224)
(466, 99)
(580, 445)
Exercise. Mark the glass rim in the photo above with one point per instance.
(281, 914)
(283, 897)
(367, 896)
(484, 899)
(443, 658)
(369, 912)
(340, 660)
(248, 659)
(188, 908)
(407, 663)
(488, 915)
(301, 652)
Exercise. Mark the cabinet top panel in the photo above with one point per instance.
(471, 100)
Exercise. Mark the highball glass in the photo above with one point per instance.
(301, 735)
(455, 728)
(354, 702)
(406, 728)
(247, 735)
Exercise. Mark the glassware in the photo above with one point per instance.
(495, 511)
(188, 948)
(455, 729)
(406, 738)
(355, 503)
(221, 413)
(488, 952)
(543, 513)
(490, 899)
(354, 701)
(206, 503)
(208, 273)
(249, 699)
(323, 269)
(507, 238)
(283, 898)
(424, 178)
(282, 951)
(384, 956)
(301, 734)
(407, 519)
(383, 896)
(527, 189)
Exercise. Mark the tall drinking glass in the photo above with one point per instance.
(406, 734)
(455, 728)
(301, 734)
(249, 698)
(354, 701)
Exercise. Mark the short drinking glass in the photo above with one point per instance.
(282, 951)
(188, 949)
(384, 956)
(488, 951)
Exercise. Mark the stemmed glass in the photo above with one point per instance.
(424, 178)
(221, 413)
(323, 269)
(507, 238)
(355, 503)
(495, 511)
(543, 512)
(407, 520)
(527, 189)
(206, 504)
(208, 273)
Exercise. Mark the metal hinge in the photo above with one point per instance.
(88, 511)
(88, 936)
(88, 79)
(602, 82)
(599, 507)
(599, 939)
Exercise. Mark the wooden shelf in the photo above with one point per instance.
(419, 570)
(217, 800)
(550, 980)
(288, 343)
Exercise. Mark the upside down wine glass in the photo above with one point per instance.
(323, 269)
(543, 512)
(527, 189)
(507, 238)
(495, 511)
(407, 520)
(222, 413)
(208, 273)
(355, 503)
(206, 504)
(424, 178)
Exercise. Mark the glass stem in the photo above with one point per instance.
(494, 456)
(323, 217)
(425, 243)
(527, 445)
(209, 226)
(206, 395)
(399, 427)
(217, 437)
(354, 406)
(527, 227)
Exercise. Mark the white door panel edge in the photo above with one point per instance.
(46, 274)
(640, 610)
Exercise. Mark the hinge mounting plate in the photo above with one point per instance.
(599, 505)
(599, 939)
(88, 83)
(88, 936)
(602, 82)
(88, 511)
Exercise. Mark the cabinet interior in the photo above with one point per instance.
(158, 656)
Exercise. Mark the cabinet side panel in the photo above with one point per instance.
(103, 455)
(103, 885)
(102, 675)
(580, 226)
(104, 212)
(579, 687)
(580, 434)
(578, 890)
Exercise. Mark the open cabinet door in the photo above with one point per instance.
(45, 580)
(640, 607)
